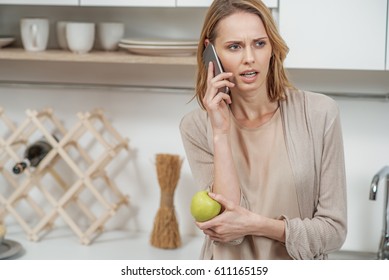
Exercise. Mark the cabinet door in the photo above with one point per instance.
(41, 2)
(129, 3)
(387, 40)
(207, 3)
(334, 34)
(194, 3)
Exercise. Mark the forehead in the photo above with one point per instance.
(241, 24)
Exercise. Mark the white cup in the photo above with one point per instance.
(80, 36)
(34, 33)
(109, 34)
(61, 35)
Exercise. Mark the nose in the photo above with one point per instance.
(248, 56)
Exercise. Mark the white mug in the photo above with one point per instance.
(80, 36)
(34, 33)
(109, 34)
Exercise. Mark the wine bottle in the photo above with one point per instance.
(33, 155)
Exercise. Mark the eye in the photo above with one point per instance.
(260, 43)
(233, 46)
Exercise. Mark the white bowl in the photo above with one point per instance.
(80, 36)
(110, 34)
(61, 34)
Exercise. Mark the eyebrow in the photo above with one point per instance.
(256, 39)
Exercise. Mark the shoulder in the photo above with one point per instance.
(194, 122)
(312, 103)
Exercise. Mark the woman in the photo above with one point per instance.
(272, 155)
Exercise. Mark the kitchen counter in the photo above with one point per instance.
(62, 244)
(352, 255)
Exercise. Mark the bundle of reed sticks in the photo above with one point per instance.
(165, 233)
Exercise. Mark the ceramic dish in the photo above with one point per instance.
(5, 41)
(9, 249)
(158, 42)
(160, 50)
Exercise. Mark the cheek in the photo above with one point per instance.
(229, 63)
(228, 66)
(264, 57)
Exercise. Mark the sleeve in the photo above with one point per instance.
(325, 232)
(200, 157)
(193, 129)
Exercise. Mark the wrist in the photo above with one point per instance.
(271, 228)
(220, 138)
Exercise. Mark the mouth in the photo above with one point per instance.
(249, 74)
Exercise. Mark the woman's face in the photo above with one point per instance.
(244, 49)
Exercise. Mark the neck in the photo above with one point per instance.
(252, 107)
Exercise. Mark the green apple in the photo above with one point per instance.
(203, 207)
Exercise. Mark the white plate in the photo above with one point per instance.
(9, 248)
(160, 50)
(5, 41)
(158, 42)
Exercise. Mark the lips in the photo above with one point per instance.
(249, 75)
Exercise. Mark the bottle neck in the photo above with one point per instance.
(21, 166)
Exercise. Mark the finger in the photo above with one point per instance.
(208, 225)
(210, 72)
(216, 100)
(227, 204)
(225, 75)
(209, 232)
(222, 84)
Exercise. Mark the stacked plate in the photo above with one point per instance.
(159, 47)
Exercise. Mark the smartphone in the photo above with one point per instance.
(209, 54)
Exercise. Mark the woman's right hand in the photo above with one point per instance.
(216, 102)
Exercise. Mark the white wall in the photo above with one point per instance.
(149, 120)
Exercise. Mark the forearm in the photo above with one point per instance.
(226, 180)
(267, 227)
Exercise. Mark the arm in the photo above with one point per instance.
(226, 180)
(324, 225)
(236, 221)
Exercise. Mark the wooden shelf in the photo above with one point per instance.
(120, 56)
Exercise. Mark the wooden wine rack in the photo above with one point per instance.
(71, 182)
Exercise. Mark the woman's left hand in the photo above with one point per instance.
(233, 223)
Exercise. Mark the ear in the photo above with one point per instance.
(206, 42)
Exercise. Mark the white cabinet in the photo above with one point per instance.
(124, 3)
(194, 3)
(129, 3)
(387, 40)
(41, 2)
(207, 3)
(334, 34)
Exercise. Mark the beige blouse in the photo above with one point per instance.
(293, 166)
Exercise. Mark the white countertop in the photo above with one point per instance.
(62, 244)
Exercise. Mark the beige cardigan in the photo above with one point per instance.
(314, 143)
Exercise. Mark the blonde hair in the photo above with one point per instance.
(277, 79)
